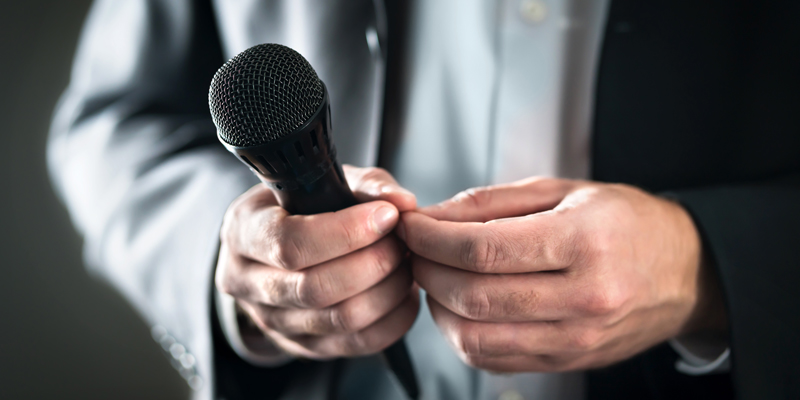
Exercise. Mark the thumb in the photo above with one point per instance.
(514, 199)
(370, 184)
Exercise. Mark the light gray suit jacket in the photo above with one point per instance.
(134, 155)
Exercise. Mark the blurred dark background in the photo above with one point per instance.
(63, 334)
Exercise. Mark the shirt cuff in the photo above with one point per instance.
(701, 355)
(264, 354)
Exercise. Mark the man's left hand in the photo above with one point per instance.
(555, 275)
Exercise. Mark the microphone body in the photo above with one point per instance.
(301, 168)
(299, 165)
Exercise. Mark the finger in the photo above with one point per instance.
(483, 204)
(618, 342)
(373, 339)
(351, 315)
(483, 339)
(545, 241)
(317, 287)
(370, 184)
(538, 296)
(273, 237)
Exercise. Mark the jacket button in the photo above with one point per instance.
(166, 342)
(177, 350)
(195, 382)
(187, 361)
(158, 332)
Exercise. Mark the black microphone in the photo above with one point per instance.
(273, 112)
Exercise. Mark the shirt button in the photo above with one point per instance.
(533, 11)
(510, 395)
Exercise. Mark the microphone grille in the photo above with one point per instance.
(263, 94)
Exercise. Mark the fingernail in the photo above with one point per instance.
(383, 219)
(400, 231)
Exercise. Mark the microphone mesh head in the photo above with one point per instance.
(263, 94)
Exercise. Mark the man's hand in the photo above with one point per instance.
(554, 275)
(326, 285)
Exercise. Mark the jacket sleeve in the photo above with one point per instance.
(134, 156)
(753, 233)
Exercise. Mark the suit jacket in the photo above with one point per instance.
(698, 99)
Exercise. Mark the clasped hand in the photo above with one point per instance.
(326, 285)
(538, 275)
(555, 275)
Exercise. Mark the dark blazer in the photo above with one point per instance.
(700, 99)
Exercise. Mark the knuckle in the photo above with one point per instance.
(312, 326)
(224, 284)
(225, 278)
(598, 244)
(371, 178)
(602, 301)
(222, 278)
(375, 173)
(560, 256)
(350, 234)
(547, 183)
(382, 259)
(343, 319)
(310, 290)
(557, 249)
(231, 221)
(275, 291)
(226, 231)
(288, 253)
(470, 340)
(483, 253)
(584, 340)
(475, 303)
(475, 197)
(357, 343)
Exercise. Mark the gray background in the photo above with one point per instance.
(63, 334)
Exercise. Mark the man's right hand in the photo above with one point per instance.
(326, 285)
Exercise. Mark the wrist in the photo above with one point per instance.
(708, 316)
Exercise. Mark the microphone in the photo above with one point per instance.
(273, 112)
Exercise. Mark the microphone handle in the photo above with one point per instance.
(332, 193)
